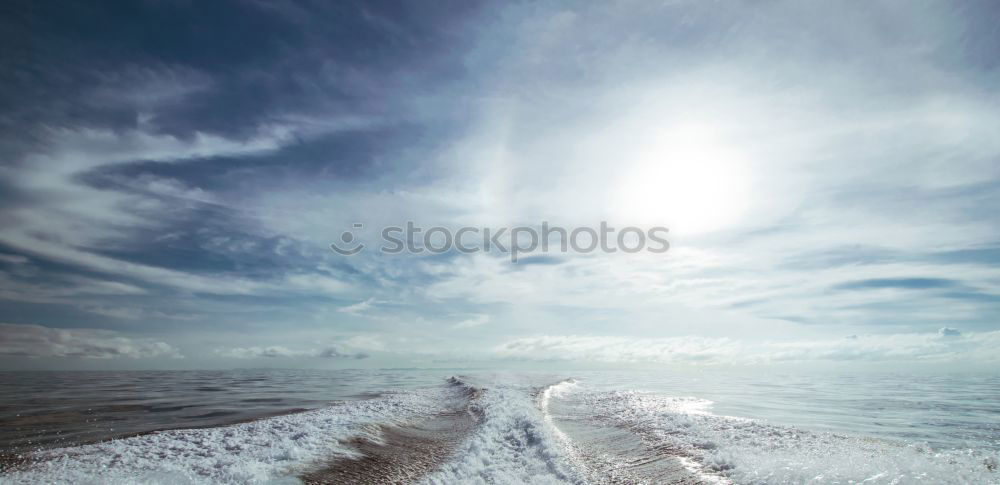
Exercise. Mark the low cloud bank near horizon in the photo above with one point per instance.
(36, 341)
(946, 346)
(277, 351)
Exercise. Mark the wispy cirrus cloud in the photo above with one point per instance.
(358, 308)
(472, 322)
(839, 186)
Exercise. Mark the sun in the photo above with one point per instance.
(685, 179)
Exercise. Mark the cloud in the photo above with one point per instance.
(364, 342)
(36, 341)
(68, 219)
(13, 258)
(276, 351)
(947, 346)
(59, 288)
(268, 352)
(474, 321)
(335, 353)
(137, 314)
(819, 191)
(901, 283)
(357, 308)
(316, 283)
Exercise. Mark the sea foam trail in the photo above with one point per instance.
(609, 454)
(512, 444)
(405, 453)
(753, 452)
(270, 450)
(507, 430)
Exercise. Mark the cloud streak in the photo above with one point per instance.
(947, 346)
(36, 341)
(823, 172)
(277, 351)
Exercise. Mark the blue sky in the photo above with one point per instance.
(173, 173)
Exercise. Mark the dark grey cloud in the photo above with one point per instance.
(335, 353)
(899, 283)
(223, 67)
(983, 255)
(872, 255)
(844, 256)
(229, 69)
(539, 260)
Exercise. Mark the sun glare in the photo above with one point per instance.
(686, 180)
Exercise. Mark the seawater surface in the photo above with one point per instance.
(437, 426)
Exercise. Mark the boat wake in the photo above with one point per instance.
(404, 453)
(271, 450)
(642, 434)
(499, 430)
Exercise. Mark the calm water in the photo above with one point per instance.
(565, 428)
(944, 410)
(44, 409)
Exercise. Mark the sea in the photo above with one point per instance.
(455, 426)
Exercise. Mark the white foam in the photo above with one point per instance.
(749, 451)
(516, 441)
(270, 450)
(607, 463)
(513, 444)
(560, 389)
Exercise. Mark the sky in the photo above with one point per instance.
(172, 175)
